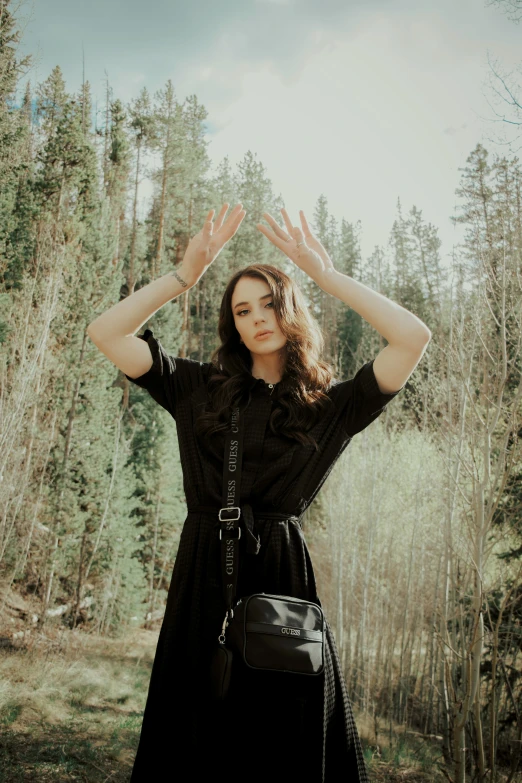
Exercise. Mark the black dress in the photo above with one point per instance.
(272, 724)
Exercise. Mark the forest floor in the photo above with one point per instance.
(71, 707)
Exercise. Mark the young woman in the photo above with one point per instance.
(298, 420)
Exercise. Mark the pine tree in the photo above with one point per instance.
(67, 178)
(15, 154)
(118, 177)
(141, 121)
(11, 70)
(168, 142)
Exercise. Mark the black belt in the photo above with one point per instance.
(248, 513)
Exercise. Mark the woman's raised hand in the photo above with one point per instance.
(206, 245)
(300, 245)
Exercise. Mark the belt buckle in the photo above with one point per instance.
(230, 508)
(230, 519)
(238, 536)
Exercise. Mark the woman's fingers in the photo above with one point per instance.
(220, 218)
(227, 229)
(236, 223)
(296, 231)
(288, 222)
(277, 228)
(208, 226)
(304, 222)
(282, 244)
(309, 256)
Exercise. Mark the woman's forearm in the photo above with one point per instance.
(396, 324)
(129, 315)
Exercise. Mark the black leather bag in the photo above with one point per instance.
(271, 632)
(279, 632)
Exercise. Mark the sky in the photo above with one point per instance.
(366, 102)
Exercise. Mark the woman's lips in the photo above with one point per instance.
(264, 336)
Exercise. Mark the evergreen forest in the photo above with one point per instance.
(416, 536)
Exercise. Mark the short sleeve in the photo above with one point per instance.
(359, 401)
(171, 379)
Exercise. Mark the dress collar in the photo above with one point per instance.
(262, 385)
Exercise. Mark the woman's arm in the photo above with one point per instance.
(396, 324)
(129, 315)
(406, 334)
(113, 331)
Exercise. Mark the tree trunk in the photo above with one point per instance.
(153, 558)
(63, 470)
(159, 249)
(79, 584)
(131, 280)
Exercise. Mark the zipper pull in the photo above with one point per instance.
(271, 387)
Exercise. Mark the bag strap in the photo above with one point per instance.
(229, 514)
(232, 513)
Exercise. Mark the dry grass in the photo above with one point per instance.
(71, 707)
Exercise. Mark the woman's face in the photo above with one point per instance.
(253, 310)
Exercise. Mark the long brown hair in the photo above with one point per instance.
(306, 377)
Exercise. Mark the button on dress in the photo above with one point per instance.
(272, 724)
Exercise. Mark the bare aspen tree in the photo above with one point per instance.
(486, 341)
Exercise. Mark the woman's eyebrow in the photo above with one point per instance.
(260, 299)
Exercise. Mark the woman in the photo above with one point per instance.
(297, 422)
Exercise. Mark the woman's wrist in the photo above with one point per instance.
(184, 277)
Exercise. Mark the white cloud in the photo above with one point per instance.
(367, 120)
(365, 102)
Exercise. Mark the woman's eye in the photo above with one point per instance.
(240, 312)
